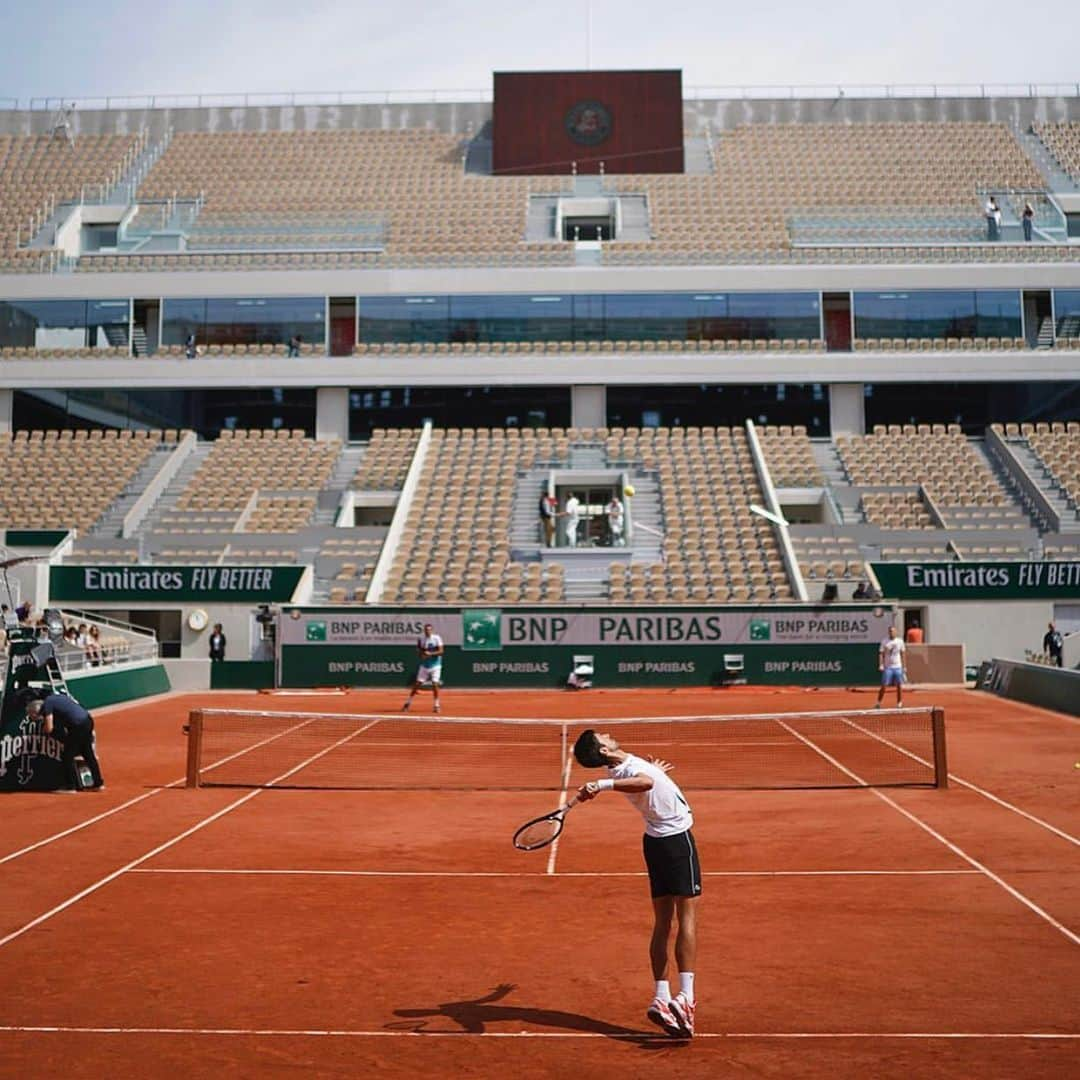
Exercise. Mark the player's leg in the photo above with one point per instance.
(436, 682)
(659, 1011)
(412, 693)
(687, 891)
(898, 678)
(663, 913)
(881, 690)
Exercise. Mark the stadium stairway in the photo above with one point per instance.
(1057, 179)
(112, 521)
(1027, 460)
(1007, 482)
(168, 498)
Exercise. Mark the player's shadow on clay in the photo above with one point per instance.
(479, 1015)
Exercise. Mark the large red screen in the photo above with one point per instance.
(544, 121)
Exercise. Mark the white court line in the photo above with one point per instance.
(137, 799)
(562, 802)
(973, 787)
(537, 874)
(64, 905)
(345, 1033)
(954, 848)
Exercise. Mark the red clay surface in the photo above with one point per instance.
(335, 933)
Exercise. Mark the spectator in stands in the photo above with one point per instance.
(549, 511)
(616, 521)
(572, 513)
(914, 633)
(217, 644)
(295, 343)
(10, 619)
(1027, 219)
(1054, 645)
(862, 591)
(191, 350)
(95, 655)
(22, 613)
(993, 219)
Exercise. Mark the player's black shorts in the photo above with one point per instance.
(673, 864)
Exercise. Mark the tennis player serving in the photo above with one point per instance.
(672, 861)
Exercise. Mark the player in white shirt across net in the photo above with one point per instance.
(671, 859)
(892, 667)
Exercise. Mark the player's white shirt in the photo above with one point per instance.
(573, 510)
(893, 651)
(663, 806)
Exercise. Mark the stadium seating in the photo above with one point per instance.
(1063, 141)
(39, 170)
(1058, 448)
(790, 456)
(386, 460)
(765, 172)
(65, 479)
(242, 462)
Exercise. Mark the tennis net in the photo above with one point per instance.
(863, 748)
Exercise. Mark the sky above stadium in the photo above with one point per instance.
(124, 47)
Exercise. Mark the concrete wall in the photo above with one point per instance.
(988, 628)
(467, 118)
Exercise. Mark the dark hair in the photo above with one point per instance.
(587, 750)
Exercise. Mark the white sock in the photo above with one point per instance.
(663, 990)
(686, 984)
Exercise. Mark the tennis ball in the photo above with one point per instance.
(628, 490)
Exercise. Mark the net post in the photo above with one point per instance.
(941, 766)
(194, 729)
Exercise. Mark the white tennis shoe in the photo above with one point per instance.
(659, 1012)
(682, 1008)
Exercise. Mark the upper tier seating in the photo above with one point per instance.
(242, 462)
(413, 179)
(765, 172)
(66, 479)
(1063, 141)
(36, 170)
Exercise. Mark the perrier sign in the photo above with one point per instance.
(1046, 580)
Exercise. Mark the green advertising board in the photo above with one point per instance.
(1049, 580)
(177, 584)
(628, 647)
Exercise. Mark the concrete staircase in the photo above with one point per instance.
(1032, 464)
(168, 499)
(340, 481)
(1057, 179)
(111, 522)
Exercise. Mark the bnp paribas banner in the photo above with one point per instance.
(495, 629)
(980, 580)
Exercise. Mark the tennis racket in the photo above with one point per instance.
(541, 831)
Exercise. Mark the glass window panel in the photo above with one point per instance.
(938, 313)
(403, 318)
(672, 406)
(536, 317)
(246, 320)
(1067, 312)
(64, 324)
(458, 406)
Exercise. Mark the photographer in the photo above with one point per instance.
(74, 726)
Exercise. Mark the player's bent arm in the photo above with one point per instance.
(627, 784)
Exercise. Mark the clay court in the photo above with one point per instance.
(154, 930)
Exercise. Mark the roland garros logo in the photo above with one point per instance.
(588, 123)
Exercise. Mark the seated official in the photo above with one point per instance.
(74, 726)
